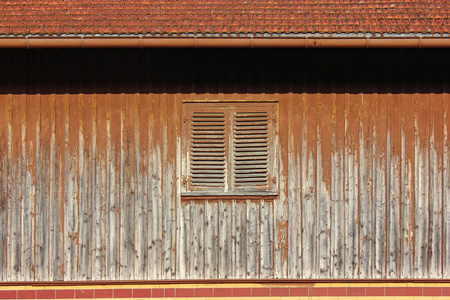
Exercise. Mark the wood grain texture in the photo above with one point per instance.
(309, 144)
(393, 185)
(446, 183)
(407, 187)
(295, 189)
(436, 180)
(91, 157)
(337, 201)
(351, 179)
(366, 186)
(379, 186)
(422, 151)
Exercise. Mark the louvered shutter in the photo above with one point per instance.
(251, 149)
(228, 149)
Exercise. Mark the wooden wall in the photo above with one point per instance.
(89, 165)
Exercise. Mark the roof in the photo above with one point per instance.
(224, 18)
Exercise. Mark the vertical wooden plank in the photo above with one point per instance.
(407, 186)
(87, 167)
(393, 185)
(166, 171)
(71, 210)
(143, 109)
(114, 126)
(18, 117)
(156, 202)
(5, 162)
(127, 208)
(446, 183)
(84, 179)
(379, 184)
(365, 178)
(309, 155)
(294, 192)
(422, 115)
(58, 160)
(337, 170)
(323, 188)
(266, 239)
(239, 242)
(43, 194)
(101, 107)
(435, 204)
(211, 239)
(137, 210)
(225, 223)
(196, 251)
(169, 197)
(351, 162)
(281, 213)
(31, 174)
(253, 242)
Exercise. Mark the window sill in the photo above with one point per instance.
(209, 196)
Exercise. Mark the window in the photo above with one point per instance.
(229, 149)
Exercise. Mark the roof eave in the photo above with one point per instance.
(224, 42)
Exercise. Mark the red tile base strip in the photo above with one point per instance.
(221, 292)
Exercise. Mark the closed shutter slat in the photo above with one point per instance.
(251, 149)
(207, 163)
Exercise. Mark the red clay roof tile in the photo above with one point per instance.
(58, 17)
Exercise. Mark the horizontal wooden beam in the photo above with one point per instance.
(208, 42)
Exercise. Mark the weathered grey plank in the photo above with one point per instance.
(407, 187)
(211, 239)
(84, 179)
(28, 233)
(142, 154)
(5, 142)
(422, 114)
(308, 186)
(155, 217)
(379, 185)
(169, 197)
(323, 188)
(294, 190)
(281, 214)
(35, 239)
(266, 239)
(115, 130)
(351, 195)
(446, 184)
(197, 251)
(42, 254)
(102, 107)
(238, 242)
(337, 195)
(15, 205)
(393, 185)
(225, 217)
(57, 242)
(253, 243)
(435, 205)
(127, 205)
(70, 214)
(365, 193)
(309, 144)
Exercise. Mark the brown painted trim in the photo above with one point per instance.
(194, 42)
(218, 281)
